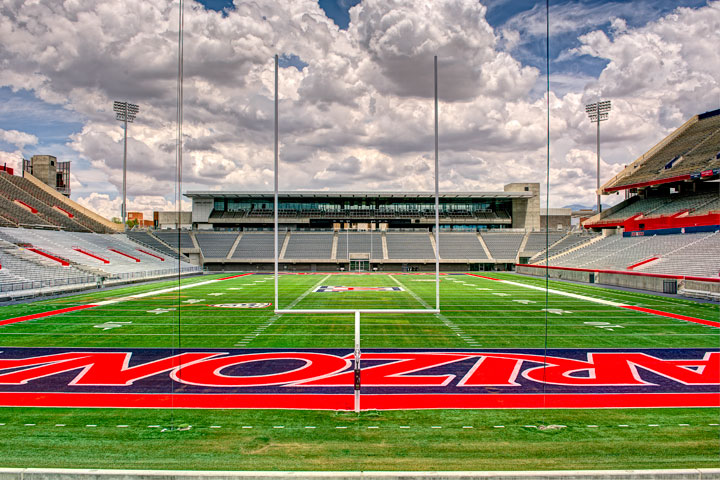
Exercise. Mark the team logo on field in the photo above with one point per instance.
(337, 288)
(389, 379)
(241, 305)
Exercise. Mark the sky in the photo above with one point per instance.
(356, 92)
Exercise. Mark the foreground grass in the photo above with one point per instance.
(520, 445)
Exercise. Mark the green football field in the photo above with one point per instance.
(476, 313)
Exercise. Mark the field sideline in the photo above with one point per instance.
(477, 313)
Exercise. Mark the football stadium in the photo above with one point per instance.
(335, 332)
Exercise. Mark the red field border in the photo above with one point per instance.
(368, 402)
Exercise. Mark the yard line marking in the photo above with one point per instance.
(623, 426)
(653, 425)
(91, 426)
(404, 426)
(278, 426)
(122, 426)
(467, 426)
(448, 323)
(247, 426)
(435, 426)
(591, 426)
(251, 336)
(373, 427)
(605, 302)
(310, 427)
(341, 427)
(498, 426)
(215, 426)
(683, 424)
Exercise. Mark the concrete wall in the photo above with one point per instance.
(640, 282)
(44, 168)
(525, 211)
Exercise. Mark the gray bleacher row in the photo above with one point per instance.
(22, 267)
(696, 204)
(14, 188)
(692, 254)
(400, 246)
(148, 240)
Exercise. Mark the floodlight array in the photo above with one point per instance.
(125, 111)
(598, 110)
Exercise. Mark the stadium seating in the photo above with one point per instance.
(171, 238)
(690, 149)
(409, 246)
(461, 246)
(148, 240)
(537, 241)
(698, 255)
(51, 201)
(255, 246)
(309, 245)
(368, 242)
(91, 256)
(566, 243)
(503, 246)
(694, 254)
(40, 208)
(215, 244)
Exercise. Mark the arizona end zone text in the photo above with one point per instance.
(391, 379)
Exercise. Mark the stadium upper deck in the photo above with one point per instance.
(516, 207)
(692, 152)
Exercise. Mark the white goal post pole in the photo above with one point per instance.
(357, 362)
(275, 197)
(437, 199)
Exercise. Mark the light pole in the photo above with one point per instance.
(125, 112)
(598, 112)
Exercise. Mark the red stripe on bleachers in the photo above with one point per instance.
(69, 215)
(97, 257)
(124, 254)
(642, 263)
(701, 321)
(8, 321)
(151, 254)
(32, 209)
(64, 263)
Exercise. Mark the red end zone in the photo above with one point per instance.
(323, 379)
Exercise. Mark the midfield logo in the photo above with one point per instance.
(325, 289)
(323, 378)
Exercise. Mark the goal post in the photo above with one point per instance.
(358, 311)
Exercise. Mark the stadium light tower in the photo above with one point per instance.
(598, 112)
(125, 112)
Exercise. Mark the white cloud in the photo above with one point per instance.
(19, 139)
(360, 114)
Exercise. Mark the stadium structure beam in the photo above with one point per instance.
(598, 112)
(126, 113)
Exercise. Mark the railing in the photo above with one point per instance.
(91, 280)
(35, 284)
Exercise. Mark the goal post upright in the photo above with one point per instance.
(358, 311)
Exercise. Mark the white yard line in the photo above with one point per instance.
(259, 330)
(448, 323)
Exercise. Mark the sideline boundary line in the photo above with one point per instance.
(60, 311)
(601, 301)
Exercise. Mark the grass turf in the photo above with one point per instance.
(488, 314)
